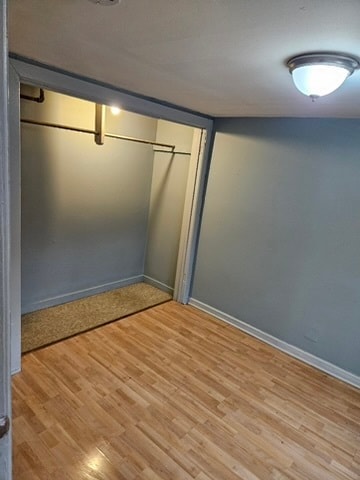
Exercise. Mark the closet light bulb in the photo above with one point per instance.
(115, 110)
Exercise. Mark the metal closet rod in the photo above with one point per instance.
(110, 135)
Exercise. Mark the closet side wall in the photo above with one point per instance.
(170, 176)
(84, 207)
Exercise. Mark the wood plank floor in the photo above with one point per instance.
(172, 393)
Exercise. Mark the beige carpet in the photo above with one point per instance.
(56, 323)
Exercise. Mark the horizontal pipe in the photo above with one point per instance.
(175, 151)
(110, 135)
(39, 99)
(57, 125)
(139, 140)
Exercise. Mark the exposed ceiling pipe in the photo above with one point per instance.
(39, 99)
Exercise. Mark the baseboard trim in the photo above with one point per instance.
(157, 284)
(15, 370)
(87, 292)
(296, 352)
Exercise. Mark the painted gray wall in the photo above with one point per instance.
(169, 181)
(84, 206)
(279, 243)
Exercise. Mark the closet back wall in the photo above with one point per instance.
(84, 207)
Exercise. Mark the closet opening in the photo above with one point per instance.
(106, 212)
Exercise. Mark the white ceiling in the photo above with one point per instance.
(218, 57)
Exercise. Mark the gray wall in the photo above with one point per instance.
(279, 244)
(84, 206)
(170, 175)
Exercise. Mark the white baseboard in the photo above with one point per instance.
(15, 370)
(296, 352)
(87, 292)
(157, 284)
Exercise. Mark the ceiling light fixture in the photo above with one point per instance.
(318, 74)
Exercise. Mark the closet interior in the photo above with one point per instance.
(102, 200)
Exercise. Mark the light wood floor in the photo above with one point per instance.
(172, 393)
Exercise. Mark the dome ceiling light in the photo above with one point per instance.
(318, 74)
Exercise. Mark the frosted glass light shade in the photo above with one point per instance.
(319, 80)
(318, 74)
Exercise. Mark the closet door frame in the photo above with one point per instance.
(5, 344)
(31, 73)
(194, 195)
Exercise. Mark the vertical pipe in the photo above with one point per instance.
(99, 124)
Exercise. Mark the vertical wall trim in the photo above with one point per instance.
(5, 392)
(192, 215)
(15, 221)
